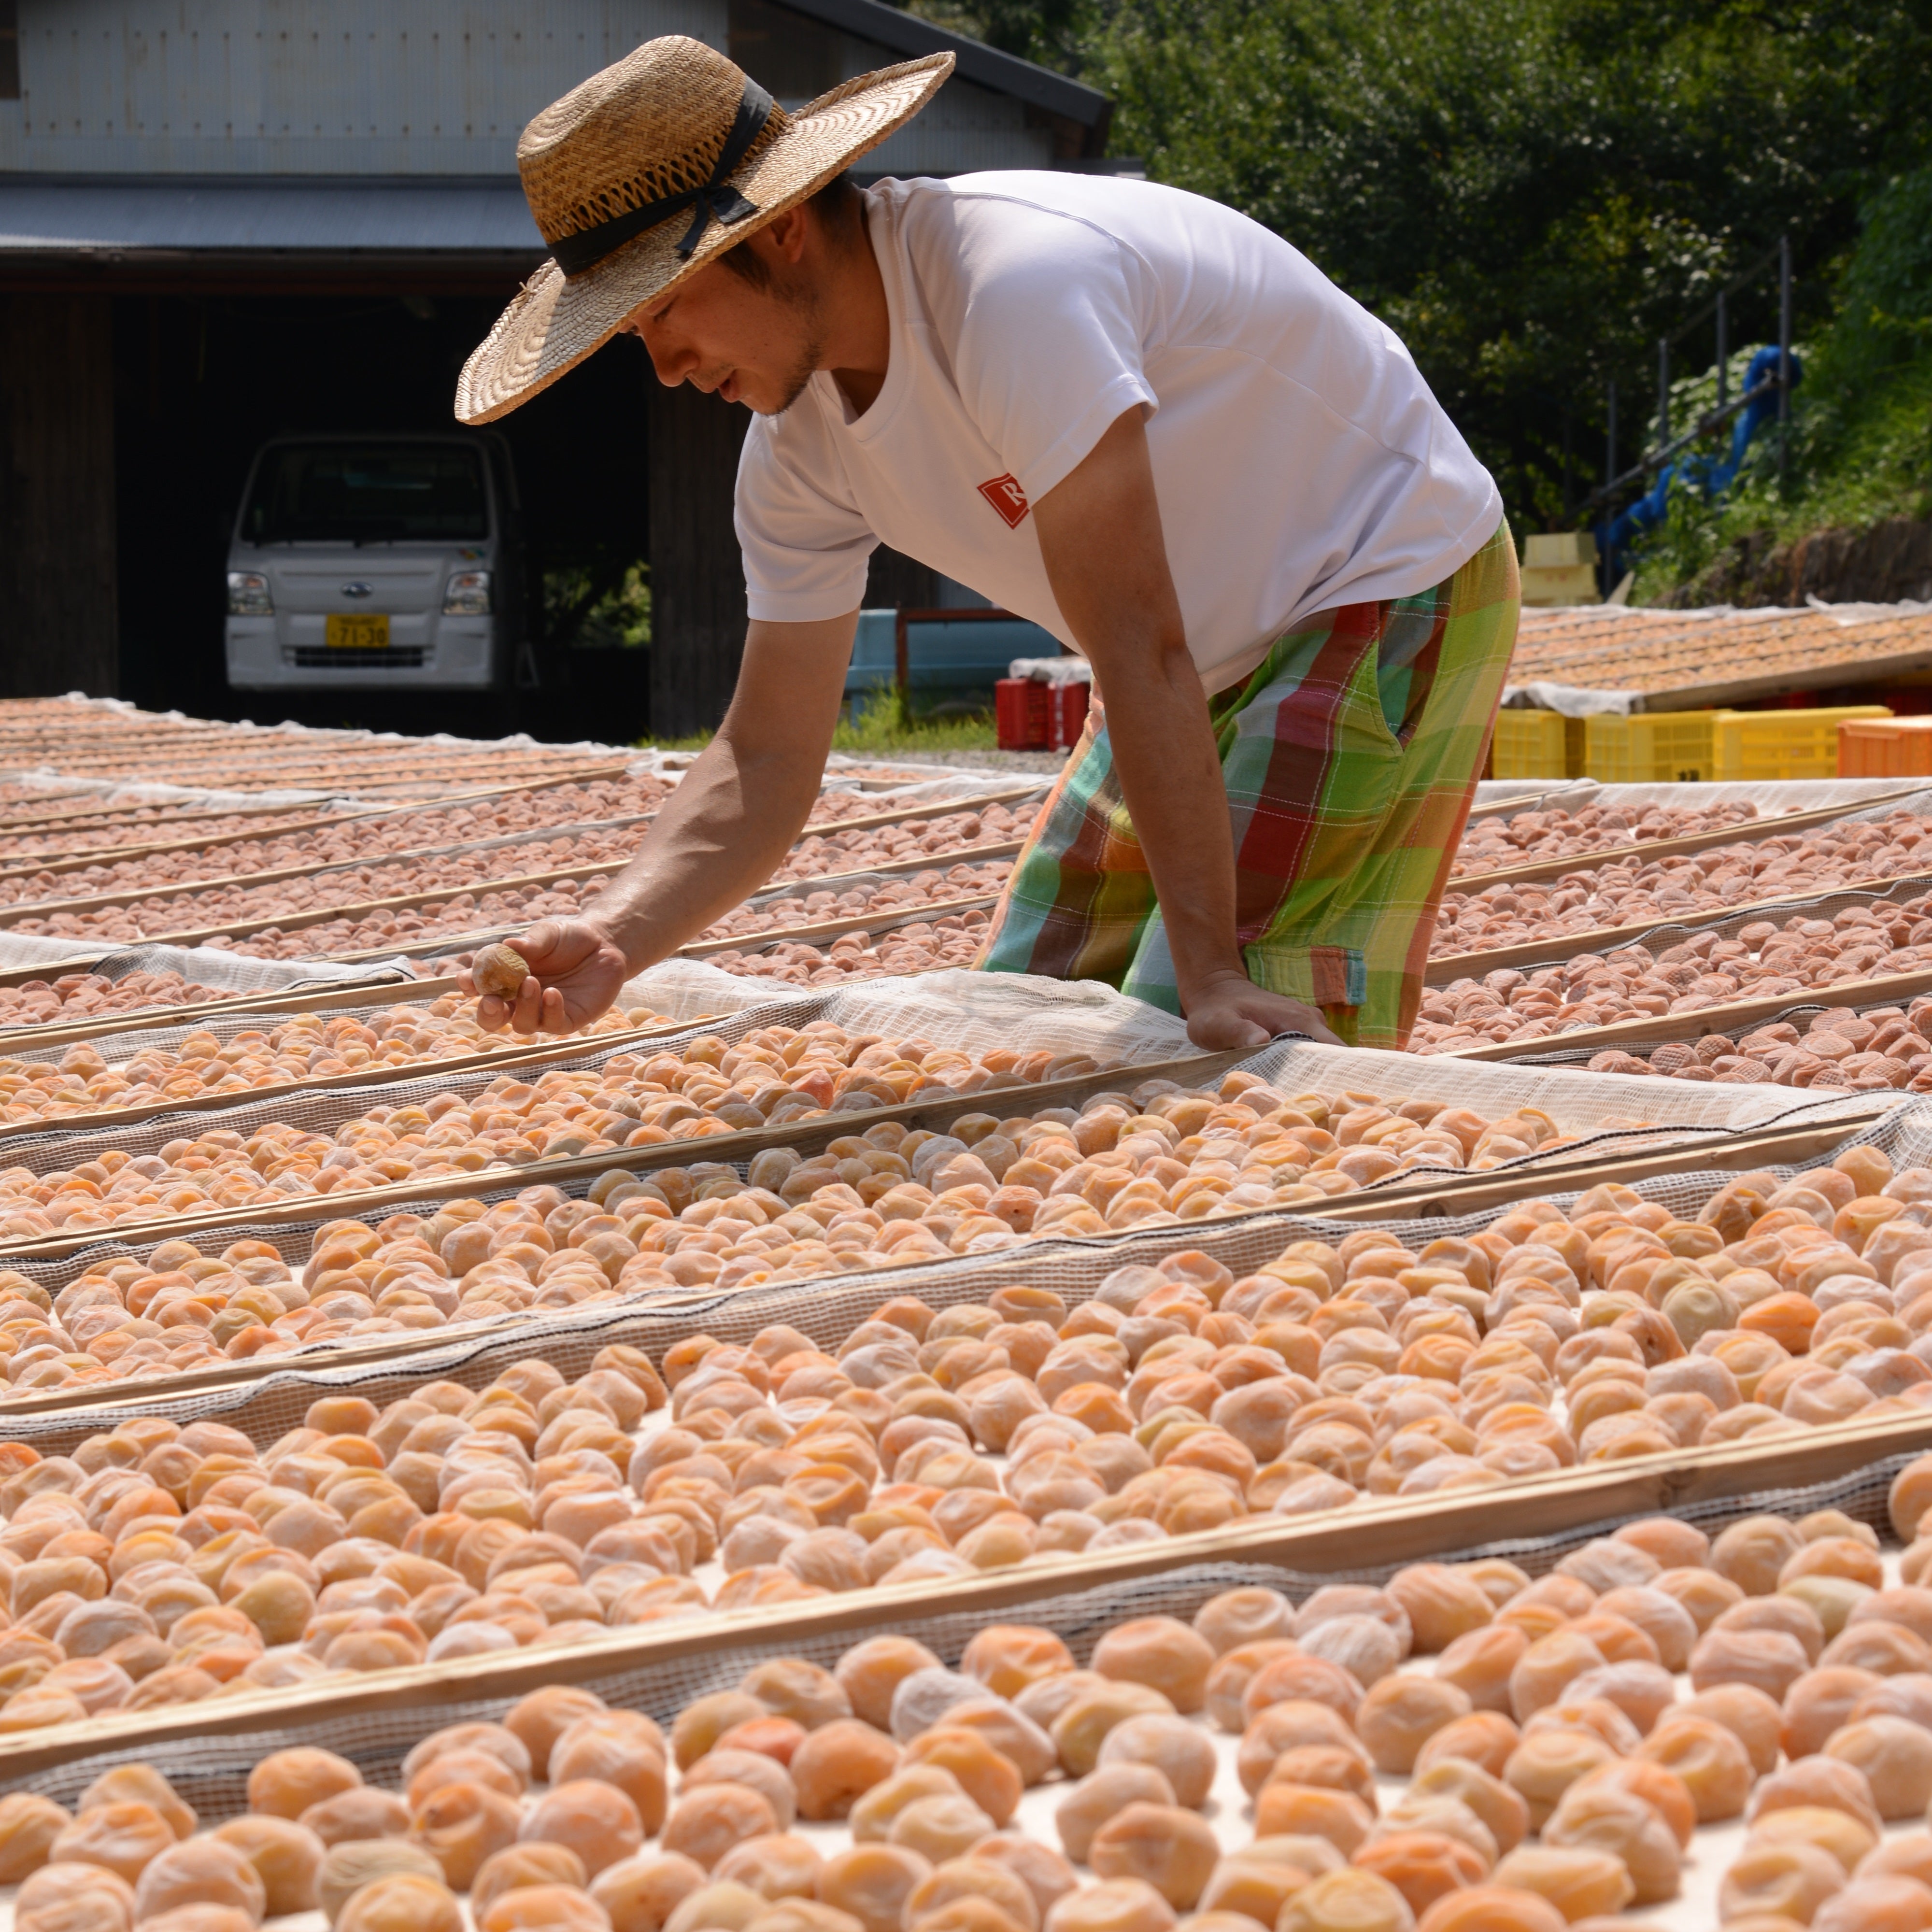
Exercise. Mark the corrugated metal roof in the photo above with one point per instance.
(334, 217)
(314, 87)
(906, 33)
(1684, 660)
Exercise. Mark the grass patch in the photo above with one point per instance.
(883, 724)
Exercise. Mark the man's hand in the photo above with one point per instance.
(720, 835)
(1231, 1010)
(576, 973)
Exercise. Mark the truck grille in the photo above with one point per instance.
(398, 657)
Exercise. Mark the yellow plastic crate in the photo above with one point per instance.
(1765, 745)
(1537, 745)
(1652, 747)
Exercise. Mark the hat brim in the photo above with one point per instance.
(557, 320)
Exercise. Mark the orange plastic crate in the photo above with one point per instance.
(1884, 748)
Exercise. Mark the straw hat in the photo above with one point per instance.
(648, 171)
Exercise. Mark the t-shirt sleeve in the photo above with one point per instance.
(804, 543)
(1048, 336)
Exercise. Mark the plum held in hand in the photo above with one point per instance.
(500, 971)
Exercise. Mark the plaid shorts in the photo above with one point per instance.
(1351, 756)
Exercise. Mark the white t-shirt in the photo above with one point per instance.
(1299, 461)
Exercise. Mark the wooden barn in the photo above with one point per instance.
(222, 220)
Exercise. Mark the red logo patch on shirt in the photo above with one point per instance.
(1006, 496)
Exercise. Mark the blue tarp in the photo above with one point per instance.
(1711, 475)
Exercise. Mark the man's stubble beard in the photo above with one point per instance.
(800, 375)
(802, 298)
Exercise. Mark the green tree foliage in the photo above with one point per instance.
(1530, 192)
(1886, 320)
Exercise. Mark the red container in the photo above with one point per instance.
(1065, 714)
(1020, 714)
(1030, 715)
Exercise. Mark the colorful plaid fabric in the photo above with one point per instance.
(1351, 757)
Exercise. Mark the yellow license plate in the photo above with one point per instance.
(357, 630)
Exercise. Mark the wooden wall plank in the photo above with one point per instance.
(698, 582)
(57, 604)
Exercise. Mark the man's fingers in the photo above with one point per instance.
(1229, 1028)
(530, 1006)
(493, 1015)
(539, 942)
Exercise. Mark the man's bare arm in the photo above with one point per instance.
(719, 836)
(1106, 559)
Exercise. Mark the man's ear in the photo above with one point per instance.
(786, 235)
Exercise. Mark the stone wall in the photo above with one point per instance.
(1884, 564)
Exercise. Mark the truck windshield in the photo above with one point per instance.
(361, 493)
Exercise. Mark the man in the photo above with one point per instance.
(1124, 412)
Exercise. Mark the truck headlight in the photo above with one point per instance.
(468, 595)
(248, 595)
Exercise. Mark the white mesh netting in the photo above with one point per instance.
(26, 953)
(1603, 1105)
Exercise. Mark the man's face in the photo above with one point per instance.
(756, 346)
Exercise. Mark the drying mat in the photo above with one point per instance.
(890, 808)
(974, 1012)
(1787, 1122)
(1331, 1072)
(156, 1029)
(1798, 1015)
(210, 1771)
(239, 930)
(103, 795)
(828, 1308)
(331, 814)
(1559, 949)
(375, 859)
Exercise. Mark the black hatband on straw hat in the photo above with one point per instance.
(576, 253)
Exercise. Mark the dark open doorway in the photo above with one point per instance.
(201, 380)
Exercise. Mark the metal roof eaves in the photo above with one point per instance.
(908, 34)
(160, 216)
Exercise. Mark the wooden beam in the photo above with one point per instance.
(1838, 674)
